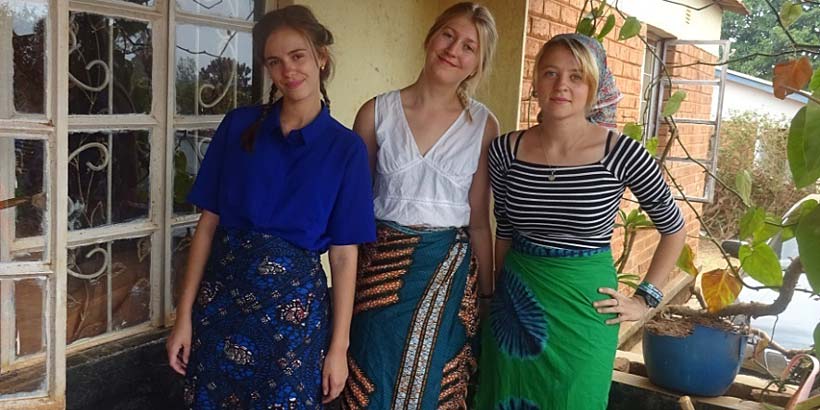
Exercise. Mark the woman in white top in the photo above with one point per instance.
(416, 311)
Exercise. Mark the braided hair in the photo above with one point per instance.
(302, 20)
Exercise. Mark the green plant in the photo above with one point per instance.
(758, 221)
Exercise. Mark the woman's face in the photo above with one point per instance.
(561, 87)
(292, 64)
(453, 51)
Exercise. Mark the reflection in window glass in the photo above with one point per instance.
(23, 199)
(108, 287)
(189, 151)
(238, 9)
(28, 38)
(28, 305)
(108, 178)
(109, 65)
(213, 70)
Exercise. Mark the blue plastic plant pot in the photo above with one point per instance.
(704, 363)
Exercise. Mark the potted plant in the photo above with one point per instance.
(697, 350)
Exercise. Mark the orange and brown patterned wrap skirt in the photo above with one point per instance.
(412, 341)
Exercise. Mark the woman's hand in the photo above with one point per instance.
(627, 308)
(178, 346)
(334, 375)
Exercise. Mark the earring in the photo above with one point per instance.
(534, 94)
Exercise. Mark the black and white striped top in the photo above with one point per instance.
(578, 208)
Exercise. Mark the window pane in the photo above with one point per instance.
(28, 25)
(239, 9)
(25, 312)
(180, 245)
(109, 280)
(23, 196)
(108, 177)
(213, 70)
(189, 150)
(109, 65)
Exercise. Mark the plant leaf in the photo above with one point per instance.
(808, 243)
(790, 12)
(761, 263)
(608, 26)
(751, 222)
(743, 184)
(802, 140)
(814, 85)
(652, 146)
(633, 131)
(631, 28)
(791, 76)
(769, 229)
(719, 288)
(673, 103)
(686, 261)
(585, 27)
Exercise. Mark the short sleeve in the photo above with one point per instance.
(499, 162)
(352, 220)
(205, 191)
(643, 177)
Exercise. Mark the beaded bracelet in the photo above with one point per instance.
(651, 294)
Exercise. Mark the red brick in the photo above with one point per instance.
(570, 16)
(537, 6)
(552, 10)
(539, 28)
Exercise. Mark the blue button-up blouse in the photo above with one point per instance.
(311, 188)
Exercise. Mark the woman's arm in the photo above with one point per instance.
(178, 345)
(479, 197)
(365, 126)
(343, 272)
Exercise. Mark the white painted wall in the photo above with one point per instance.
(740, 97)
(679, 21)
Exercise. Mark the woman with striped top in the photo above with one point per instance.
(553, 325)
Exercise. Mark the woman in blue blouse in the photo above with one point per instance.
(280, 184)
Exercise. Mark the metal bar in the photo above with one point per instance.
(694, 121)
(697, 42)
(695, 82)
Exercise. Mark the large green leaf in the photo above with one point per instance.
(634, 131)
(751, 222)
(802, 140)
(608, 26)
(630, 29)
(652, 145)
(673, 103)
(790, 12)
(743, 184)
(817, 340)
(585, 27)
(814, 85)
(686, 261)
(761, 263)
(808, 243)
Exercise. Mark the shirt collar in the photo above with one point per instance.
(305, 135)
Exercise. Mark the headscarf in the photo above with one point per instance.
(603, 112)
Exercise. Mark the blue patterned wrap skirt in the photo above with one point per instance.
(260, 326)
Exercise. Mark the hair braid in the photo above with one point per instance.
(249, 135)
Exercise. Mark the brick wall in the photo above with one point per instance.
(547, 18)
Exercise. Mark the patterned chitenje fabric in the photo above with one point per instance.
(455, 384)
(544, 346)
(381, 267)
(260, 326)
(418, 351)
(358, 388)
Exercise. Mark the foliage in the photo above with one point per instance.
(755, 144)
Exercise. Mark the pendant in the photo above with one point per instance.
(552, 176)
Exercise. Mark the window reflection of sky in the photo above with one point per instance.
(25, 14)
(239, 9)
(212, 42)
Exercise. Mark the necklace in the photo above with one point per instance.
(552, 176)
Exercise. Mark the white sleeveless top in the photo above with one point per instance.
(431, 190)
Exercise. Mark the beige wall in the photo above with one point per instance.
(379, 48)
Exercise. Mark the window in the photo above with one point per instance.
(92, 192)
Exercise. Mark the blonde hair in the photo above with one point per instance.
(487, 40)
(585, 59)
